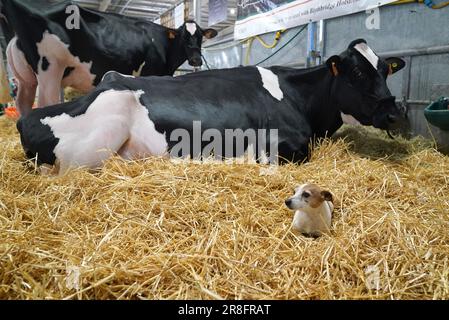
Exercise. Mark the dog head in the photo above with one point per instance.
(306, 196)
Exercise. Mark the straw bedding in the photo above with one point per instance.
(158, 229)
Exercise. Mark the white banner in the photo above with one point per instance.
(262, 16)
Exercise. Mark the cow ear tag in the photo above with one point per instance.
(394, 65)
(334, 69)
(391, 67)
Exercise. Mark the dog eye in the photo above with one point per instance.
(305, 194)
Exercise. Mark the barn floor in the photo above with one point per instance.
(162, 230)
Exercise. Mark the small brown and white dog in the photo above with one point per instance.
(313, 210)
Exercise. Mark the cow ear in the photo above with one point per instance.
(210, 33)
(326, 195)
(394, 65)
(171, 33)
(333, 63)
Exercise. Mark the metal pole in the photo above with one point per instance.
(197, 11)
(311, 44)
(406, 77)
(416, 52)
(321, 45)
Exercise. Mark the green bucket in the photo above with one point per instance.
(437, 113)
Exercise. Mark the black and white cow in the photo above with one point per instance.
(141, 117)
(47, 53)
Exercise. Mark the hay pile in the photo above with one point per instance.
(159, 230)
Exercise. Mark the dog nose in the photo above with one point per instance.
(288, 202)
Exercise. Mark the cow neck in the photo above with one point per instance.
(321, 108)
(176, 54)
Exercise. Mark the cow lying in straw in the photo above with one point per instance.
(275, 110)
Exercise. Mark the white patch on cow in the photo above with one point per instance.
(191, 27)
(367, 53)
(348, 119)
(116, 122)
(271, 83)
(58, 55)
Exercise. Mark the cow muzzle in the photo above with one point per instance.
(388, 116)
(196, 61)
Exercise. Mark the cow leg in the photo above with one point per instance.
(92, 149)
(26, 94)
(135, 148)
(25, 77)
(50, 85)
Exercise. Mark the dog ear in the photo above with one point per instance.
(326, 195)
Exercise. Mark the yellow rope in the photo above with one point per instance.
(249, 43)
(275, 41)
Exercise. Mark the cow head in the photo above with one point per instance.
(361, 89)
(189, 38)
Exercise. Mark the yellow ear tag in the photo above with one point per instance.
(334, 69)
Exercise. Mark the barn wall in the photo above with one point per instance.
(403, 29)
